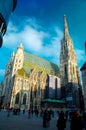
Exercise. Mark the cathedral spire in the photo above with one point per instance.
(20, 46)
(66, 33)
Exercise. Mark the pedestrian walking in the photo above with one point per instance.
(45, 117)
(8, 112)
(76, 121)
(48, 118)
(29, 113)
(61, 121)
(84, 120)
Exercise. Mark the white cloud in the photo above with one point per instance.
(12, 27)
(28, 35)
(32, 36)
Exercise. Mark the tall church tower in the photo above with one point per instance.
(18, 60)
(68, 63)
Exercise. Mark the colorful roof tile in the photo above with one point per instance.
(31, 61)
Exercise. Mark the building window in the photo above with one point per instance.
(17, 99)
(14, 70)
(6, 81)
(15, 65)
(35, 92)
(19, 61)
(18, 65)
(65, 71)
(24, 99)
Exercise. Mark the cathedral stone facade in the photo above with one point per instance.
(25, 79)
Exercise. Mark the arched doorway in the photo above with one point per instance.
(17, 99)
(24, 99)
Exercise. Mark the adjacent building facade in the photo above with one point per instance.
(6, 8)
(83, 73)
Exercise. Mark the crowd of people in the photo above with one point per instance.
(76, 119)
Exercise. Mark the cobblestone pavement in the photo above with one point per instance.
(22, 122)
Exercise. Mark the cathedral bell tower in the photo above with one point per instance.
(68, 63)
(70, 79)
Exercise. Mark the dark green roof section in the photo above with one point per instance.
(53, 100)
(31, 61)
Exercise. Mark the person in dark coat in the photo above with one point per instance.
(61, 122)
(45, 115)
(84, 120)
(76, 121)
(73, 121)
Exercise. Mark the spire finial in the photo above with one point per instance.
(20, 46)
(66, 33)
(13, 54)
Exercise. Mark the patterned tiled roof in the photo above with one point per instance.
(32, 61)
(83, 67)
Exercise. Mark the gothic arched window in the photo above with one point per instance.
(65, 70)
(9, 82)
(73, 70)
(35, 92)
(24, 99)
(17, 99)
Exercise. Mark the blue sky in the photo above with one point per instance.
(38, 25)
